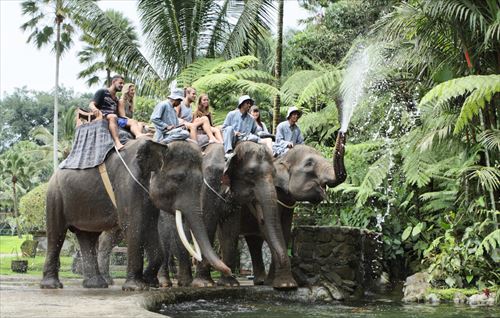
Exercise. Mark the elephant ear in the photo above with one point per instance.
(282, 177)
(229, 167)
(150, 156)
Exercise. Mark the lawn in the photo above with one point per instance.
(10, 250)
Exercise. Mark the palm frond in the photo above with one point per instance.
(490, 138)
(488, 177)
(438, 200)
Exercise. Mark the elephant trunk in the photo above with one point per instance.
(270, 221)
(195, 222)
(338, 160)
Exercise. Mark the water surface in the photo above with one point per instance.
(269, 309)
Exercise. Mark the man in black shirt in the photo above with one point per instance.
(105, 102)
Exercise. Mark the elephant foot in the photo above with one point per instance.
(109, 280)
(257, 281)
(152, 282)
(50, 283)
(164, 282)
(95, 282)
(284, 282)
(203, 282)
(184, 282)
(134, 285)
(228, 281)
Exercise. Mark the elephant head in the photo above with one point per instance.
(303, 174)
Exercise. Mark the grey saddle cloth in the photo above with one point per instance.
(91, 145)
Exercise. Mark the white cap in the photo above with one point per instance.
(244, 98)
(176, 94)
(291, 110)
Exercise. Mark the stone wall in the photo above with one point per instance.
(343, 260)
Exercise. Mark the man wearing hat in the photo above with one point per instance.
(239, 125)
(288, 133)
(164, 117)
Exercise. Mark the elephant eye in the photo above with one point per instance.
(309, 163)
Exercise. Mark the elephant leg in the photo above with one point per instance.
(107, 240)
(135, 264)
(184, 273)
(254, 243)
(155, 259)
(164, 272)
(91, 276)
(228, 238)
(55, 238)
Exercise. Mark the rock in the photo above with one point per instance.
(478, 299)
(321, 294)
(433, 299)
(333, 278)
(415, 287)
(459, 298)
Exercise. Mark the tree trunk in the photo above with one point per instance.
(108, 77)
(16, 214)
(277, 69)
(59, 20)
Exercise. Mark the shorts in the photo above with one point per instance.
(122, 122)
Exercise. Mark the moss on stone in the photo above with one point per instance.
(449, 293)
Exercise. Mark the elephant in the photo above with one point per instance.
(302, 174)
(146, 177)
(249, 176)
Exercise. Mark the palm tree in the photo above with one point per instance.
(178, 33)
(18, 169)
(44, 16)
(277, 71)
(97, 57)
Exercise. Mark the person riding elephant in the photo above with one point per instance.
(146, 177)
(302, 174)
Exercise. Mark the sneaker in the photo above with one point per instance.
(228, 155)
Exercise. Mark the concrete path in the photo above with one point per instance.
(20, 296)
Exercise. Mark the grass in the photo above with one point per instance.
(11, 244)
(449, 293)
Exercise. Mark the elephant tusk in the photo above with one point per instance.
(196, 253)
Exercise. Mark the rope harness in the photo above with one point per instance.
(107, 183)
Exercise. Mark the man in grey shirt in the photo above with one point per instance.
(164, 117)
(288, 133)
(239, 125)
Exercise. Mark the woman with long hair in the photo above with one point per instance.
(203, 110)
(127, 99)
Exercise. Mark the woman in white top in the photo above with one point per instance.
(261, 127)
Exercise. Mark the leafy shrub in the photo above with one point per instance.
(32, 208)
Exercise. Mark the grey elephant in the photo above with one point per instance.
(302, 174)
(76, 200)
(249, 174)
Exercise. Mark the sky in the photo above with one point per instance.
(22, 64)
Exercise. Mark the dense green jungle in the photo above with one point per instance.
(423, 145)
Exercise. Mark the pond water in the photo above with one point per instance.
(267, 309)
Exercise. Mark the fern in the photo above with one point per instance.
(327, 83)
(373, 179)
(196, 70)
(480, 89)
(234, 64)
(438, 200)
(489, 243)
